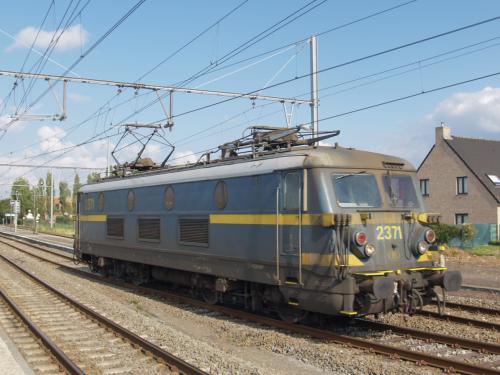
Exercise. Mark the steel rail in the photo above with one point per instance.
(69, 366)
(436, 337)
(174, 363)
(450, 318)
(473, 308)
(419, 358)
(461, 319)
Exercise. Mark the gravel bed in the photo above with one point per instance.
(442, 326)
(216, 343)
(475, 298)
(467, 314)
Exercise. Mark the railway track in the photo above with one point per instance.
(81, 339)
(41, 354)
(448, 364)
(446, 317)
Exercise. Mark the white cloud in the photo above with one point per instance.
(73, 37)
(464, 111)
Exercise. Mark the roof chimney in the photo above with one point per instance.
(443, 132)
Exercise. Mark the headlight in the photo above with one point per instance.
(430, 236)
(369, 250)
(360, 238)
(422, 247)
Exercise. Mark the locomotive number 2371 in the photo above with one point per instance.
(389, 232)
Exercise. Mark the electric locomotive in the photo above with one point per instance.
(277, 223)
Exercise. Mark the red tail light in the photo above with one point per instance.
(430, 236)
(360, 238)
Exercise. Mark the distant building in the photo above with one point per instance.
(460, 179)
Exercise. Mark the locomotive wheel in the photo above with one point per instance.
(289, 314)
(209, 296)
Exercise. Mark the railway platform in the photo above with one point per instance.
(64, 243)
(11, 361)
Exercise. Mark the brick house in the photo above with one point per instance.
(460, 179)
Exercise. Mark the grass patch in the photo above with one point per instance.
(490, 250)
(58, 229)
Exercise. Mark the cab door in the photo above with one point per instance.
(291, 225)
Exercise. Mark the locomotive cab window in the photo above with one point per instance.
(356, 190)
(400, 191)
(292, 187)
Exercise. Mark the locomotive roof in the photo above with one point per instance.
(307, 157)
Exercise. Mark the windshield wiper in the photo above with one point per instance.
(349, 175)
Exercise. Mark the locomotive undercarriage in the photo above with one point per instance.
(356, 295)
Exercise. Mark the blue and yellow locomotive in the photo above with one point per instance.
(277, 223)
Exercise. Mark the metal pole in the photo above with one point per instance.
(52, 198)
(34, 211)
(278, 235)
(314, 86)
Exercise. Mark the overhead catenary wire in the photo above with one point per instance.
(90, 49)
(332, 86)
(183, 140)
(444, 33)
(322, 33)
(349, 62)
(42, 61)
(96, 113)
(420, 93)
(334, 28)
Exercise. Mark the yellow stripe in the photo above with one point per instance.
(326, 260)
(349, 313)
(325, 219)
(92, 217)
(268, 219)
(427, 269)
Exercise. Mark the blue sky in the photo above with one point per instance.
(158, 28)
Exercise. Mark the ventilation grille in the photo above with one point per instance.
(149, 229)
(193, 231)
(114, 227)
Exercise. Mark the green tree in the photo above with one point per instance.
(4, 206)
(21, 190)
(76, 188)
(92, 177)
(65, 197)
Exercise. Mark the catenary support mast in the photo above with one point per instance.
(314, 85)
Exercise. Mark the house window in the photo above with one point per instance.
(461, 218)
(424, 187)
(462, 187)
(495, 179)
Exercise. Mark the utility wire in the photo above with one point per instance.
(393, 49)
(98, 111)
(407, 97)
(335, 28)
(200, 34)
(186, 138)
(6, 99)
(42, 61)
(90, 49)
(237, 48)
